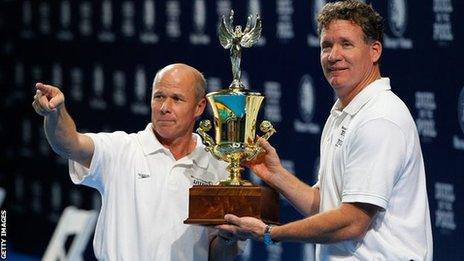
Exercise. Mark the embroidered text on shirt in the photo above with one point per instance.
(341, 137)
(198, 181)
(142, 175)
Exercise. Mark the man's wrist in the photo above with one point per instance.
(267, 238)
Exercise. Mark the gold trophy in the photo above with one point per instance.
(235, 113)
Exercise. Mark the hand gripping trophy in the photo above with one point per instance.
(235, 110)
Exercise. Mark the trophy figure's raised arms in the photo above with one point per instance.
(235, 39)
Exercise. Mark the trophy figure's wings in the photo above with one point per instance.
(225, 31)
(248, 24)
(251, 35)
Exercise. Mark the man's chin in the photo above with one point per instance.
(336, 86)
(164, 130)
(339, 90)
(164, 135)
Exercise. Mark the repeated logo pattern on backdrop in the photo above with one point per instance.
(104, 54)
(458, 139)
(397, 17)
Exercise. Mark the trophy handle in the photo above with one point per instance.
(267, 128)
(205, 125)
(254, 151)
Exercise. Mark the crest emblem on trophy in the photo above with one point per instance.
(235, 111)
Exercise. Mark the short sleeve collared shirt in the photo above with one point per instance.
(145, 197)
(370, 153)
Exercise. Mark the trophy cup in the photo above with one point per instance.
(235, 110)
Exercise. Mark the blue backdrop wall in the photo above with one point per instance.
(104, 54)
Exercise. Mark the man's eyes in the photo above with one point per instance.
(159, 97)
(329, 46)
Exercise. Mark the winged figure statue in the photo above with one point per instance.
(235, 39)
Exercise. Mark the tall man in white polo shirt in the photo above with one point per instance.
(370, 201)
(144, 177)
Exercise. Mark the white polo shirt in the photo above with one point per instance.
(145, 197)
(370, 153)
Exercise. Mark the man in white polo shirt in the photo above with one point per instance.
(370, 202)
(144, 177)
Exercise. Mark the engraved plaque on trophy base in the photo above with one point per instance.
(209, 204)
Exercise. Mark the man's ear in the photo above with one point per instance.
(376, 51)
(200, 107)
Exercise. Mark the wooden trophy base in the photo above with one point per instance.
(209, 204)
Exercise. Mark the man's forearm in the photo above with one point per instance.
(59, 127)
(64, 139)
(292, 189)
(344, 223)
(61, 132)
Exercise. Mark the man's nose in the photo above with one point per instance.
(334, 54)
(166, 106)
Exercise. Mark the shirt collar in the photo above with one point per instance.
(370, 91)
(149, 141)
(150, 144)
(199, 155)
